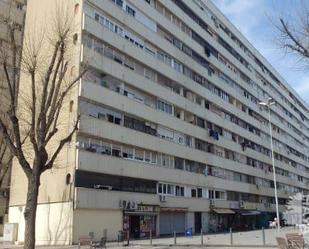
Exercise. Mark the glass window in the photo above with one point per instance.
(127, 152)
(130, 11)
(139, 154)
(199, 193)
(193, 192)
(119, 2)
(179, 191)
(147, 156)
(154, 157)
(116, 151)
(170, 189)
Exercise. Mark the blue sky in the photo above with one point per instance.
(255, 19)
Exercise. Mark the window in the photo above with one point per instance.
(199, 193)
(127, 152)
(193, 193)
(170, 189)
(179, 191)
(130, 11)
(211, 194)
(177, 66)
(119, 2)
(106, 149)
(113, 119)
(179, 163)
(116, 150)
(166, 189)
(162, 106)
(19, 6)
(147, 156)
(154, 157)
(139, 155)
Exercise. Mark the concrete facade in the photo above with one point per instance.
(13, 10)
(170, 127)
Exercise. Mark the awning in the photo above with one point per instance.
(251, 213)
(223, 211)
(248, 212)
(173, 209)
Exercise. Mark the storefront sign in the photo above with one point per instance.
(134, 206)
(128, 205)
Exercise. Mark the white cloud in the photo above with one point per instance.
(240, 12)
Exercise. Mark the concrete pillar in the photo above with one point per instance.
(182, 114)
(181, 91)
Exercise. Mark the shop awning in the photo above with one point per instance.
(248, 212)
(173, 209)
(223, 211)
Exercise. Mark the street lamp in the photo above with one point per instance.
(268, 104)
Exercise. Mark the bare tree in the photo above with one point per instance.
(293, 32)
(5, 161)
(46, 83)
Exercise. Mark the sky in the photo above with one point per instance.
(256, 20)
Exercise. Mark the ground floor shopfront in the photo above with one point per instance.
(136, 219)
(221, 220)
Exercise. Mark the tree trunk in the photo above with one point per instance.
(30, 211)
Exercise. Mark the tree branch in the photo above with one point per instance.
(50, 164)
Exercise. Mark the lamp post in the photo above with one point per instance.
(268, 104)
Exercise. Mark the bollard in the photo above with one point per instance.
(231, 236)
(174, 237)
(263, 236)
(150, 236)
(128, 238)
(202, 241)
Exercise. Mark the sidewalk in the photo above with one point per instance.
(252, 238)
(248, 240)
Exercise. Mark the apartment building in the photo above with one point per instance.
(171, 134)
(15, 11)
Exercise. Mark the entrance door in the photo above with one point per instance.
(134, 226)
(197, 222)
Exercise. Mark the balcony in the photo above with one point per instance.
(97, 199)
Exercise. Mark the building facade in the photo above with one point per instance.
(171, 136)
(13, 10)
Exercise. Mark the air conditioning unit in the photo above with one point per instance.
(162, 198)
